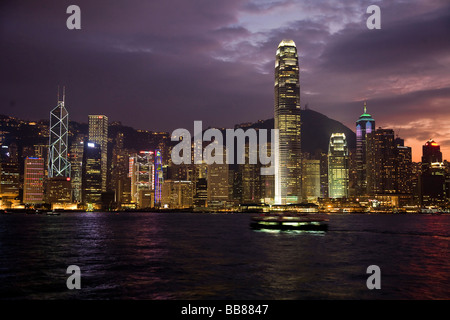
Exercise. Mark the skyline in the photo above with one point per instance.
(214, 62)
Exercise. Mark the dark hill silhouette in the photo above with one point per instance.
(316, 131)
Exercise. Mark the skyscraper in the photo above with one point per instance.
(431, 153)
(364, 126)
(9, 175)
(311, 180)
(287, 121)
(432, 180)
(98, 133)
(338, 166)
(381, 162)
(142, 178)
(58, 165)
(91, 174)
(76, 160)
(33, 185)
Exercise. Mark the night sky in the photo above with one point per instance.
(160, 65)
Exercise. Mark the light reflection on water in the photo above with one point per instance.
(206, 256)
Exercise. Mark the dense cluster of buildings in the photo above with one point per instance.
(95, 169)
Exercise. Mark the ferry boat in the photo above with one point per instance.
(288, 221)
(53, 213)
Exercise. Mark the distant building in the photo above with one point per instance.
(200, 196)
(91, 174)
(338, 166)
(98, 133)
(381, 162)
(365, 125)
(177, 194)
(58, 164)
(433, 178)
(76, 160)
(9, 175)
(311, 180)
(142, 178)
(121, 181)
(33, 181)
(146, 173)
(404, 170)
(58, 190)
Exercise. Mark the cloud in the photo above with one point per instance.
(160, 65)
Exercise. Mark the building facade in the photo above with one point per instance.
(33, 185)
(288, 121)
(365, 125)
(91, 174)
(58, 164)
(338, 166)
(98, 133)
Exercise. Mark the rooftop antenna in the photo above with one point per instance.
(365, 107)
(64, 94)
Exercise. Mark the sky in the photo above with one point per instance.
(160, 65)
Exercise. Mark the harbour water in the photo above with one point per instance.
(174, 256)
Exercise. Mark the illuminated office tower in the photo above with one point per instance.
(58, 164)
(98, 133)
(381, 162)
(177, 194)
(218, 179)
(311, 180)
(91, 174)
(9, 175)
(158, 176)
(287, 121)
(76, 160)
(404, 176)
(365, 125)
(433, 177)
(142, 178)
(431, 153)
(121, 182)
(338, 163)
(33, 185)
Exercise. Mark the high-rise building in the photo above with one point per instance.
(9, 175)
(76, 160)
(404, 169)
(121, 182)
(311, 180)
(146, 173)
(33, 192)
(381, 161)
(364, 126)
(431, 153)
(177, 194)
(91, 174)
(58, 164)
(251, 178)
(98, 133)
(58, 191)
(288, 157)
(338, 166)
(158, 178)
(142, 178)
(433, 178)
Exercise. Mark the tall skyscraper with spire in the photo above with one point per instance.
(364, 126)
(58, 164)
(288, 157)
